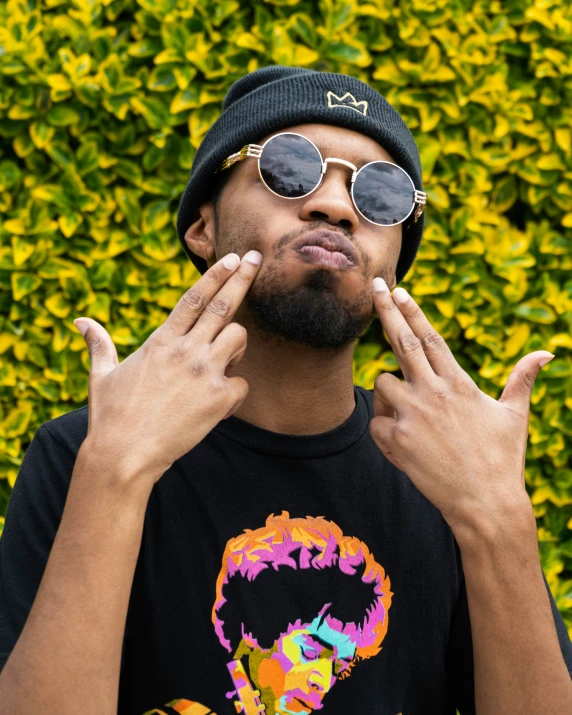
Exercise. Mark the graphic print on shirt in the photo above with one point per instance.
(285, 654)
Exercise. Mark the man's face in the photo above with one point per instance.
(319, 305)
(302, 666)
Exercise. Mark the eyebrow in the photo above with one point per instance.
(317, 639)
(329, 646)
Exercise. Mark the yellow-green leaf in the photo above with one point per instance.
(437, 197)
(156, 216)
(58, 305)
(23, 284)
(536, 311)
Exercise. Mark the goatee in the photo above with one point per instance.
(312, 314)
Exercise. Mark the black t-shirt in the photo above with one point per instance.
(308, 568)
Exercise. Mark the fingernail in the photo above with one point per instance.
(231, 260)
(81, 325)
(542, 362)
(380, 286)
(253, 257)
(400, 296)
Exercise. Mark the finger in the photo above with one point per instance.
(192, 303)
(520, 383)
(381, 430)
(389, 395)
(382, 406)
(229, 345)
(236, 358)
(102, 351)
(233, 410)
(406, 345)
(434, 346)
(220, 310)
(382, 409)
(239, 389)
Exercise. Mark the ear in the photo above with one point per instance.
(200, 236)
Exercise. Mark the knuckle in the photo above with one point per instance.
(219, 389)
(238, 332)
(156, 340)
(433, 341)
(96, 346)
(387, 305)
(409, 343)
(179, 352)
(198, 367)
(219, 306)
(464, 386)
(242, 277)
(193, 299)
(410, 309)
(400, 434)
(215, 275)
(527, 380)
(382, 380)
(440, 394)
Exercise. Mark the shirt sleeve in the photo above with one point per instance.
(460, 653)
(33, 517)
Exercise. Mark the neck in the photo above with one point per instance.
(294, 389)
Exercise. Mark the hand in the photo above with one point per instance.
(163, 399)
(461, 448)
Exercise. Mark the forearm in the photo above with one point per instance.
(517, 658)
(67, 659)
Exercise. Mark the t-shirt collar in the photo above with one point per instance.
(301, 446)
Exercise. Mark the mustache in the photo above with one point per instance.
(387, 273)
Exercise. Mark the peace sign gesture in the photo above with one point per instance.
(461, 448)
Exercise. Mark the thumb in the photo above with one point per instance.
(520, 382)
(102, 351)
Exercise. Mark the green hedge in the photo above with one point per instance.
(103, 104)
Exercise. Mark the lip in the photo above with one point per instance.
(305, 704)
(331, 241)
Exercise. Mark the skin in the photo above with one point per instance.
(463, 450)
(466, 452)
(312, 389)
(69, 651)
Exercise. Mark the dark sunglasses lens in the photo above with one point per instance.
(383, 193)
(290, 165)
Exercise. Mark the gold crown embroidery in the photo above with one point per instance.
(348, 101)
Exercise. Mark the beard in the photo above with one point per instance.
(311, 314)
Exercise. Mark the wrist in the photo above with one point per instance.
(508, 521)
(118, 473)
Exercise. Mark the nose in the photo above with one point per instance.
(332, 202)
(321, 680)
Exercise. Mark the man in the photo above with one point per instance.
(197, 437)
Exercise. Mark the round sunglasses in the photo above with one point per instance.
(291, 166)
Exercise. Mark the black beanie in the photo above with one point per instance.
(276, 97)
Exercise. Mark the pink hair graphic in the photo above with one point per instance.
(308, 543)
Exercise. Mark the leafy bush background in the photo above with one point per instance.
(103, 104)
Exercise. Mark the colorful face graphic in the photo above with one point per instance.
(303, 666)
(333, 574)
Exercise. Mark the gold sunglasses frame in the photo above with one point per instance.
(255, 151)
